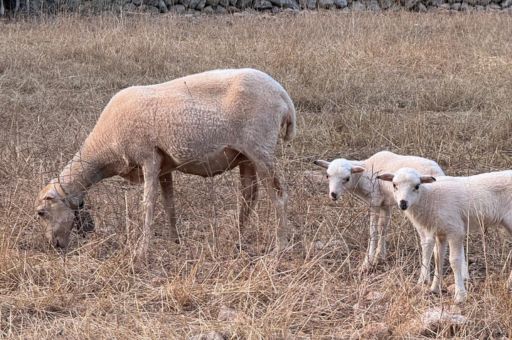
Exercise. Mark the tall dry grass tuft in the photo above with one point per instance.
(433, 85)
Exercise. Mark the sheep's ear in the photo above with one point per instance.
(386, 177)
(427, 179)
(50, 194)
(323, 164)
(357, 169)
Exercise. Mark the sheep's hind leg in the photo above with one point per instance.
(151, 170)
(507, 223)
(277, 192)
(168, 197)
(456, 258)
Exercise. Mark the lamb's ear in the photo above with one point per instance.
(427, 179)
(386, 177)
(357, 169)
(323, 164)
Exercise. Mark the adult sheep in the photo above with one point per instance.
(201, 124)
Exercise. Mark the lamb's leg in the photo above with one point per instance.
(150, 169)
(456, 244)
(465, 269)
(439, 254)
(168, 198)
(384, 220)
(249, 181)
(427, 248)
(507, 223)
(370, 256)
(509, 282)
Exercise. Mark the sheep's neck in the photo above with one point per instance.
(422, 212)
(363, 183)
(84, 170)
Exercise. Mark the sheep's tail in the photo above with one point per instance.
(290, 121)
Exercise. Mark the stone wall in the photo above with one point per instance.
(196, 7)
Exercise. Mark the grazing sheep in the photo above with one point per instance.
(445, 209)
(358, 177)
(202, 124)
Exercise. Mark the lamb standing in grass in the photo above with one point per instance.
(202, 124)
(445, 209)
(358, 177)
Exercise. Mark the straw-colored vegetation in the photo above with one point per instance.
(434, 85)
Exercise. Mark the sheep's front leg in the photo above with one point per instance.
(168, 198)
(249, 182)
(383, 224)
(456, 257)
(427, 248)
(150, 169)
(370, 256)
(439, 254)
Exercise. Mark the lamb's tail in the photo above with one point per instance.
(290, 121)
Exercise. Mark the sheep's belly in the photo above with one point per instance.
(212, 164)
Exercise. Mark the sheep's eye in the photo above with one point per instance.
(327, 176)
(394, 186)
(346, 179)
(417, 187)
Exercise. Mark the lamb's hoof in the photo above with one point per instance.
(436, 291)
(423, 281)
(368, 267)
(460, 298)
(239, 247)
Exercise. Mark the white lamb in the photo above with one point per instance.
(443, 210)
(359, 177)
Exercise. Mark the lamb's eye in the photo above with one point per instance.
(346, 179)
(417, 187)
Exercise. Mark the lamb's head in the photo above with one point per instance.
(407, 185)
(56, 213)
(342, 175)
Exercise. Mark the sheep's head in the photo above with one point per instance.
(406, 185)
(341, 175)
(56, 213)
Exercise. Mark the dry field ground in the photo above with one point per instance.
(435, 85)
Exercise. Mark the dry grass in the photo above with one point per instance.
(433, 85)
